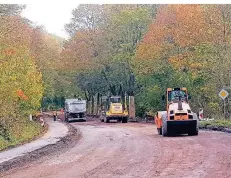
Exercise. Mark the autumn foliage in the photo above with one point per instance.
(21, 94)
(27, 53)
(194, 42)
(164, 45)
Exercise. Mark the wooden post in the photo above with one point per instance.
(224, 109)
(132, 113)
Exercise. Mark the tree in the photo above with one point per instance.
(106, 50)
(85, 17)
(196, 53)
(11, 9)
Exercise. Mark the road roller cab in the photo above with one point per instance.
(178, 117)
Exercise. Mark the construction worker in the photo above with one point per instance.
(61, 110)
(155, 117)
(55, 115)
(62, 114)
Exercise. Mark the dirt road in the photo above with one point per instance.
(135, 150)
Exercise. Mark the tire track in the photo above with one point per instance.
(135, 150)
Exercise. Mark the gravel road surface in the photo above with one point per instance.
(134, 150)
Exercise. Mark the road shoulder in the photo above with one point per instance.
(59, 137)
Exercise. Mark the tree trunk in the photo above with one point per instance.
(92, 105)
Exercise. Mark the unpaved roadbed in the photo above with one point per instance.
(57, 148)
(130, 150)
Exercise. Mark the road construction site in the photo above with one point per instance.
(113, 150)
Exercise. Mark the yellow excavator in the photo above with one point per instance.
(116, 110)
(178, 117)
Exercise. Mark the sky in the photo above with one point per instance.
(53, 16)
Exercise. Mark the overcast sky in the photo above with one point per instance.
(52, 16)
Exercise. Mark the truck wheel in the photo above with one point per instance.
(159, 130)
(81, 115)
(164, 126)
(107, 120)
(124, 120)
(196, 129)
(66, 118)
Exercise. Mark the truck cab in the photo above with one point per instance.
(75, 109)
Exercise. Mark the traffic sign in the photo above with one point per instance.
(223, 94)
(201, 115)
(226, 87)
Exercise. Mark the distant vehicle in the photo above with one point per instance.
(149, 116)
(117, 110)
(75, 109)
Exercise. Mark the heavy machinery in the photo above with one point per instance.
(116, 110)
(149, 116)
(179, 118)
(75, 109)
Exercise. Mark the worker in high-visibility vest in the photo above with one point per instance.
(55, 115)
(62, 117)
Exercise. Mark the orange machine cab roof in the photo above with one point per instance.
(170, 89)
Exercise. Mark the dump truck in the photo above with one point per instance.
(75, 109)
(178, 117)
(116, 110)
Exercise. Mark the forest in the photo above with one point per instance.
(136, 49)
(160, 46)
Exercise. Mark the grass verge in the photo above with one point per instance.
(220, 124)
(21, 132)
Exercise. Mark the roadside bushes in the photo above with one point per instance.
(20, 83)
(21, 86)
(19, 131)
(215, 124)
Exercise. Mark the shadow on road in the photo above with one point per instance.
(77, 120)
